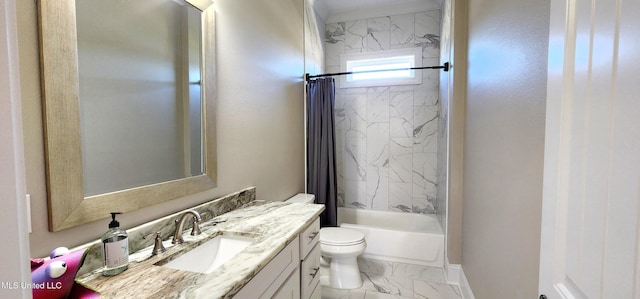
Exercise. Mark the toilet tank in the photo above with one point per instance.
(302, 198)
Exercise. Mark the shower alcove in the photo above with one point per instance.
(391, 139)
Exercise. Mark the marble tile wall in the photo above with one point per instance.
(387, 136)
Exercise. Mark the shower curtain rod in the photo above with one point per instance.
(444, 67)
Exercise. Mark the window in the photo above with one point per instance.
(369, 64)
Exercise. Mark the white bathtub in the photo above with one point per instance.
(397, 237)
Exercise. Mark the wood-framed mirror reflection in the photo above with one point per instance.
(85, 120)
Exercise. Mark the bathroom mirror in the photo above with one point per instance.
(129, 104)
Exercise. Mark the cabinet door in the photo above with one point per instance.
(274, 274)
(317, 293)
(309, 272)
(290, 289)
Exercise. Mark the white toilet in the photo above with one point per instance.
(340, 248)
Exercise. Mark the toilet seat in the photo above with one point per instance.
(338, 236)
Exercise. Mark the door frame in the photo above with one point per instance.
(16, 253)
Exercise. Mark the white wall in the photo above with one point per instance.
(259, 113)
(503, 146)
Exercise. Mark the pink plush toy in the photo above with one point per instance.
(55, 278)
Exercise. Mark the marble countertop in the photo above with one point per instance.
(273, 225)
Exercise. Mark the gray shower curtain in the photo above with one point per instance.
(321, 149)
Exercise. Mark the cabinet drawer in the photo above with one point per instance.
(310, 272)
(309, 238)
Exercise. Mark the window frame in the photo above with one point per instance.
(348, 61)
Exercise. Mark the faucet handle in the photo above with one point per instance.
(196, 227)
(177, 235)
(158, 248)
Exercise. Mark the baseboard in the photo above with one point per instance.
(452, 273)
(465, 288)
(436, 263)
(455, 275)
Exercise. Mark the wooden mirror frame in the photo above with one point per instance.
(67, 205)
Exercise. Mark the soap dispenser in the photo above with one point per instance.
(115, 248)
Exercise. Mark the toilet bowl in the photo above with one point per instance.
(339, 248)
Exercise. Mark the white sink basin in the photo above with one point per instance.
(210, 255)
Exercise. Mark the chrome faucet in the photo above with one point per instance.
(177, 235)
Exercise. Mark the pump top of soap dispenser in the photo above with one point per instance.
(114, 223)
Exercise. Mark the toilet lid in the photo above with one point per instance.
(339, 236)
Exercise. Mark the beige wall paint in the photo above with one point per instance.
(259, 113)
(503, 146)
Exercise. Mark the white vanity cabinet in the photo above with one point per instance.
(310, 261)
(278, 273)
(293, 273)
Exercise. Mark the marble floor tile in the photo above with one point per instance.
(374, 295)
(373, 266)
(329, 293)
(387, 285)
(432, 290)
(394, 280)
(418, 272)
